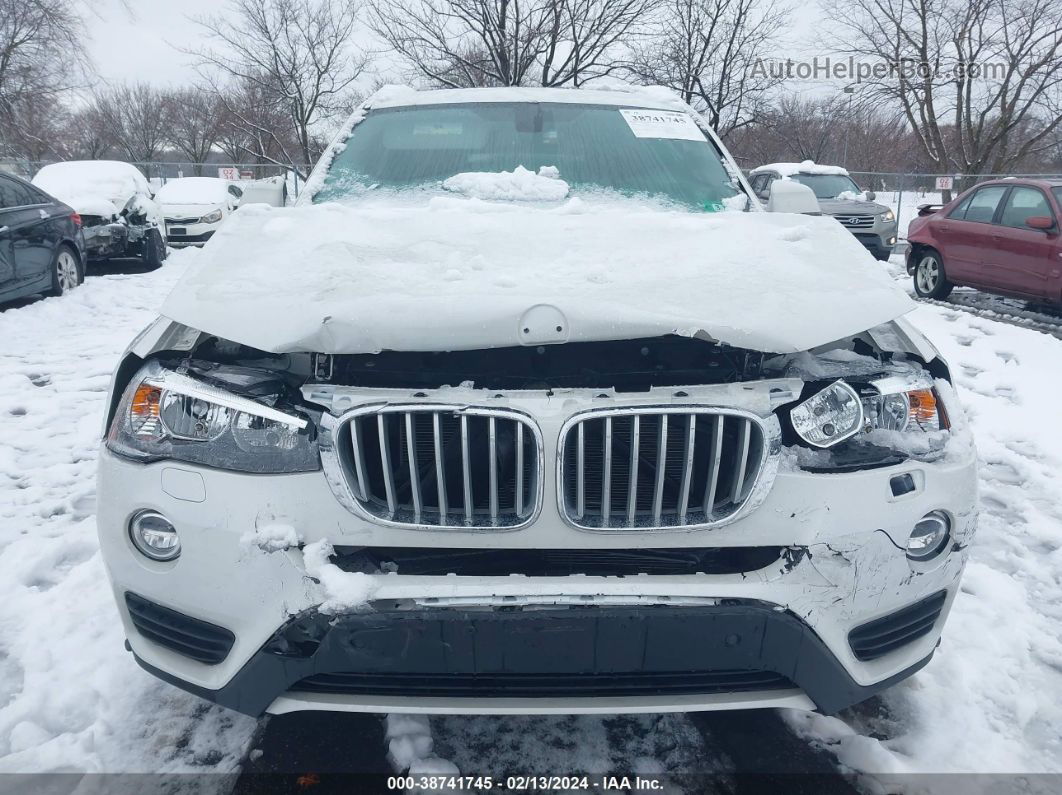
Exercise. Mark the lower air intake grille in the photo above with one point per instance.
(659, 468)
(207, 643)
(442, 466)
(882, 635)
(544, 685)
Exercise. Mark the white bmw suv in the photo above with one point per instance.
(530, 406)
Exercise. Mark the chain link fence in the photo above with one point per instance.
(160, 172)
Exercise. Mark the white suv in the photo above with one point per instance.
(530, 407)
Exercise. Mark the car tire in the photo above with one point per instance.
(930, 280)
(67, 271)
(154, 249)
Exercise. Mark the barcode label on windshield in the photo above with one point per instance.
(662, 124)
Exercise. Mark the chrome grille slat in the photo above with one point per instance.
(385, 462)
(687, 472)
(632, 489)
(432, 466)
(493, 441)
(665, 456)
(661, 471)
(741, 461)
(440, 471)
(414, 474)
(519, 468)
(466, 475)
(359, 460)
(713, 478)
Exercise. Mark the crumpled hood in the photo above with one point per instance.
(91, 204)
(850, 207)
(453, 274)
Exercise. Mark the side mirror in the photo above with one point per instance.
(789, 196)
(871, 195)
(1042, 222)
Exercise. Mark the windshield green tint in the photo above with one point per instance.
(592, 147)
(827, 186)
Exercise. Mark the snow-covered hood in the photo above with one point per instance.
(89, 204)
(850, 207)
(452, 274)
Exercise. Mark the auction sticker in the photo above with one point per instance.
(662, 124)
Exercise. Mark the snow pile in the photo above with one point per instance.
(996, 677)
(516, 185)
(71, 698)
(804, 167)
(194, 190)
(410, 749)
(343, 590)
(450, 274)
(271, 538)
(852, 196)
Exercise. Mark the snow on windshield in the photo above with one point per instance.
(516, 185)
(107, 179)
(194, 190)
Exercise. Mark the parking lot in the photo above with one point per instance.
(74, 694)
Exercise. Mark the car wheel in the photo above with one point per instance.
(929, 278)
(66, 271)
(154, 249)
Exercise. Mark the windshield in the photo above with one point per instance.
(589, 147)
(827, 186)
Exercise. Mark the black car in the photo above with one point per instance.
(42, 248)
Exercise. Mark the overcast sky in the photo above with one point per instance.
(140, 44)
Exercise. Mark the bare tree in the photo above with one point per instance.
(194, 117)
(298, 52)
(133, 115)
(41, 57)
(979, 81)
(466, 43)
(710, 51)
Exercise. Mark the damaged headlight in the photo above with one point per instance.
(168, 415)
(896, 405)
(903, 403)
(829, 416)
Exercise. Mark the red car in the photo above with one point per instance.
(1001, 236)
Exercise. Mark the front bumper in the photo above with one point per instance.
(180, 235)
(845, 568)
(880, 244)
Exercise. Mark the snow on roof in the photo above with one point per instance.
(77, 180)
(459, 274)
(611, 92)
(194, 190)
(805, 167)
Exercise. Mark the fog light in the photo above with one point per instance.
(154, 536)
(930, 536)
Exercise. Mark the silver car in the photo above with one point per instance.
(874, 225)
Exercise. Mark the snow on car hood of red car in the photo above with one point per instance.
(459, 274)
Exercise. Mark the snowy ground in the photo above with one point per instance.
(72, 699)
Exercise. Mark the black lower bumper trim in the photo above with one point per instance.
(557, 652)
(508, 685)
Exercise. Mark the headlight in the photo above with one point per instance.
(829, 416)
(211, 218)
(167, 415)
(904, 403)
(888, 216)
